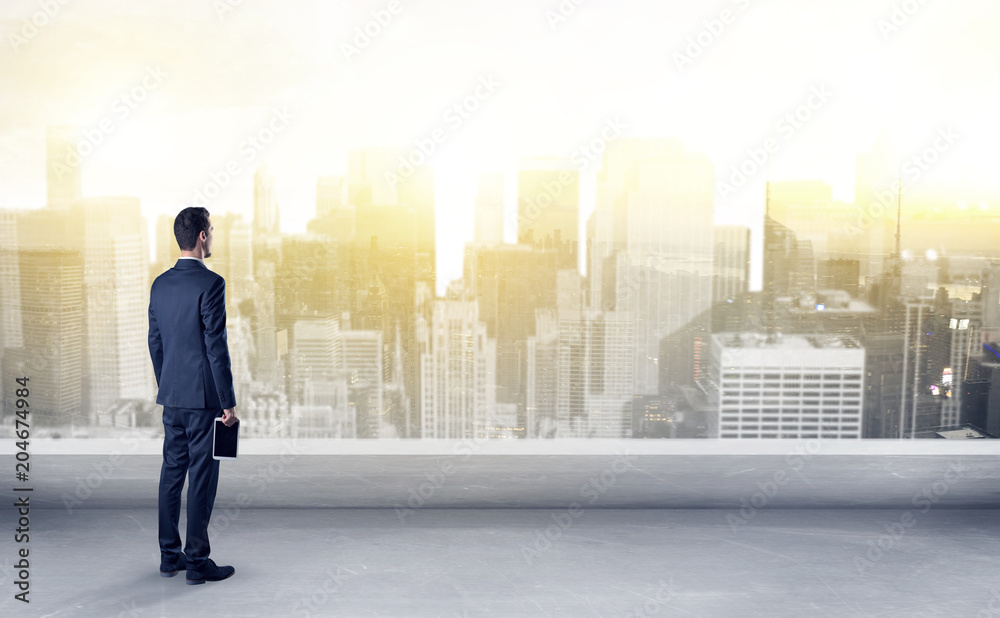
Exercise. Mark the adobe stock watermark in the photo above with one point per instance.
(593, 489)
(130, 610)
(655, 604)
(121, 108)
(452, 120)
(437, 475)
(711, 31)
(749, 507)
(367, 32)
(249, 149)
(914, 168)
(582, 157)
(899, 16)
(104, 470)
(785, 128)
(313, 602)
(894, 531)
(562, 12)
(31, 26)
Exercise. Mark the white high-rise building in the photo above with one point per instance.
(579, 377)
(458, 373)
(316, 354)
(656, 259)
(795, 386)
(116, 288)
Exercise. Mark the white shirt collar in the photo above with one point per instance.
(190, 257)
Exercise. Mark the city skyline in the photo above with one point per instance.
(547, 235)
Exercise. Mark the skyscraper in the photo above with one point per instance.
(458, 372)
(731, 262)
(53, 317)
(363, 362)
(116, 288)
(266, 221)
(316, 355)
(663, 228)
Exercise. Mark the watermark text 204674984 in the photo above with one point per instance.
(22, 503)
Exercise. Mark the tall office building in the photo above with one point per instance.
(457, 371)
(920, 409)
(116, 288)
(548, 207)
(53, 313)
(363, 361)
(316, 355)
(964, 342)
(266, 221)
(489, 209)
(62, 166)
(731, 262)
(794, 386)
(510, 283)
(663, 234)
(609, 235)
(579, 368)
(232, 257)
(883, 385)
(579, 376)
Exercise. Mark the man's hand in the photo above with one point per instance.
(229, 417)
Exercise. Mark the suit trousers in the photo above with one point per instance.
(187, 451)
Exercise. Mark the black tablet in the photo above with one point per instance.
(226, 440)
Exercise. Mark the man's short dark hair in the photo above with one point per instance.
(189, 224)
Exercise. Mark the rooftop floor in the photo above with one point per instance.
(450, 563)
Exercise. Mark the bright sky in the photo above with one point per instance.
(209, 78)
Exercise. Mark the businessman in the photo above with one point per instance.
(187, 342)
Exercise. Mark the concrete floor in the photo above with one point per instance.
(451, 563)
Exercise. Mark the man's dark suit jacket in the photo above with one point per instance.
(187, 338)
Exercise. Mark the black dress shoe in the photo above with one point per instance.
(169, 570)
(209, 573)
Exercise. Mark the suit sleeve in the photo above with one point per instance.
(155, 342)
(213, 315)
